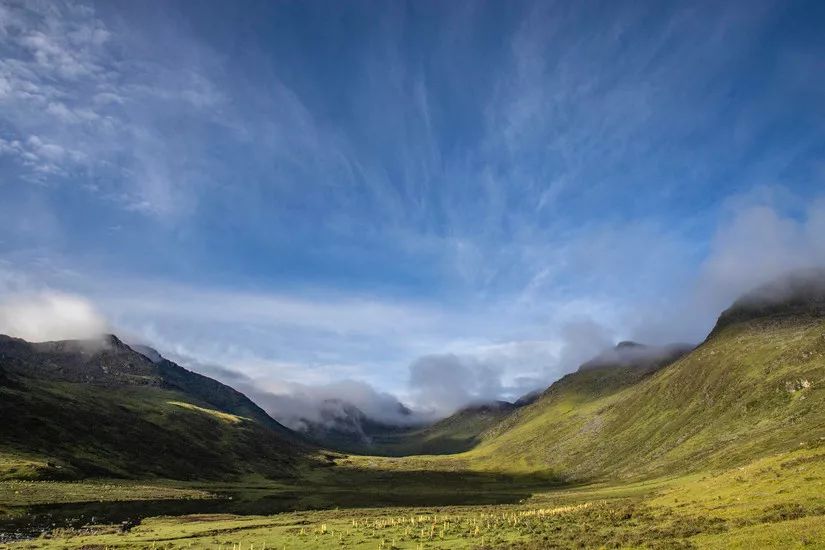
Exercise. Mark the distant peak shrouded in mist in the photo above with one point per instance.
(150, 353)
(345, 406)
(632, 354)
(799, 292)
(492, 406)
(628, 345)
(528, 398)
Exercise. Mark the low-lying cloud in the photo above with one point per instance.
(50, 315)
(296, 404)
(631, 354)
(802, 287)
(445, 382)
(437, 384)
(758, 243)
(299, 405)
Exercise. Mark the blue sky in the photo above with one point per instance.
(312, 192)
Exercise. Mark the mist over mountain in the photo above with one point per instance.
(799, 292)
(48, 315)
(150, 353)
(349, 411)
(640, 356)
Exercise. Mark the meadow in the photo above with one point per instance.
(775, 501)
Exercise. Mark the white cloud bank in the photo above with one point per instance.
(50, 316)
(759, 240)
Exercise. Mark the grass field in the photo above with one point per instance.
(27, 493)
(775, 501)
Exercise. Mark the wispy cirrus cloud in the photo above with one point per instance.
(74, 105)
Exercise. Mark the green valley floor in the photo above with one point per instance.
(777, 501)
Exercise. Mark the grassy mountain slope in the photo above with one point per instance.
(623, 365)
(756, 386)
(80, 408)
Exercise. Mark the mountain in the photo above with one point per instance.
(754, 387)
(151, 354)
(346, 428)
(527, 399)
(202, 387)
(800, 294)
(98, 407)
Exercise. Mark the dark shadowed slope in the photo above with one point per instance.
(219, 395)
(99, 408)
(756, 386)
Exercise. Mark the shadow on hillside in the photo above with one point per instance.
(347, 487)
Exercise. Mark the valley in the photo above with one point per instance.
(721, 446)
(776, 501)
(412, 275)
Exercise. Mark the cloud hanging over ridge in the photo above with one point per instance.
(50, 315)
(759, 240)
(294, 404)
(761, 243)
